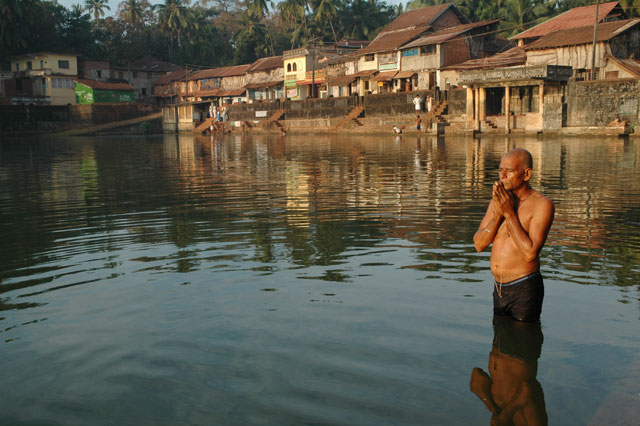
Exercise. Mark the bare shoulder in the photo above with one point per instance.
(542, 204)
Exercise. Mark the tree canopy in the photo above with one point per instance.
(224, 32)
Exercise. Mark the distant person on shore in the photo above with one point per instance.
(417, 104)
(517, 223)
(418, 123)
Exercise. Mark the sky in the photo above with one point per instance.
(113, 4)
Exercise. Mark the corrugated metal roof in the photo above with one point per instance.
(576, 17)
(385, 76)
(104, 85)
(582, 35)
(364, 73)
(630, 65)
(264, 64)
(447, 34)
(511, 57)
(404, 74)
(264, 85)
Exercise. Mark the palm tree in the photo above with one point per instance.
(173, 18)
(326, 10)
(96, 8)
(12, 14)
(518, 15)
(363, 18)
(258, 8)
(132, 12)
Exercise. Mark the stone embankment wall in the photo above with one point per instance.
(33, 118)
(390, 104)
(598, 103)
(53, 118)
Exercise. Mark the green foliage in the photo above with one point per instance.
(222, 32)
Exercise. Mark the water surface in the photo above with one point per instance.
(318, 280)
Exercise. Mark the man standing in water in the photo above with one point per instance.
(517, 222)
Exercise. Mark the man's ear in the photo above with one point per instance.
(527, 174)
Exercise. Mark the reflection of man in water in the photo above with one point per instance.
(517, 222)
(511, 391)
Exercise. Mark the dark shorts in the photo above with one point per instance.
(521, 299)
(521, 340)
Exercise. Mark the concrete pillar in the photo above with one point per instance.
(469, 106)
(482, 111)
(541, 104)
(476, 116)
(507, 107)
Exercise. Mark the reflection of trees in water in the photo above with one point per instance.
(310, 200)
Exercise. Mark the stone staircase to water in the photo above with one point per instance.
(354, 116)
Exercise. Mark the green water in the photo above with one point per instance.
(316, 280)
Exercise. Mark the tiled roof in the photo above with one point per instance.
(264, 64)
(393, 40)
(582, 35)
(341, 80)
(174, 76)
(149, 63)
(264, 85)
(446, 34)
(417, 18)
(576, 17)
(220, 72)
(104, 85)
(512, 57)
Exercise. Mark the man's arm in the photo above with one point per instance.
(529, 243)
(488, 228)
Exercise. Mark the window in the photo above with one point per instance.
(144, 91)
(410, 52)
(17, 67)
(370, 57)
(18, 84)
(99, 73)
(41, 64)
(29, 66)
(295, 68)
(63, 64)
(428, 50)
(288, 67)
(120, 75)
(135, 74)
(62, 83)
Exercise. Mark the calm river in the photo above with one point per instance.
(305, 280)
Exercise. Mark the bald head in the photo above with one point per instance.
(523, 156)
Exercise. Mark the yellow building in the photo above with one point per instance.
(46, 78)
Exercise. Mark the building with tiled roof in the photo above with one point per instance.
(142, 74)
(383, 53)
(576, 17)
(574, 46)
(265, 79)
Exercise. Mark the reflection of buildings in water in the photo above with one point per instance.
(74, 182)
(511, 391)
(297, 193)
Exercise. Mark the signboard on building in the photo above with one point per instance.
(261, 114)
(559, 72)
